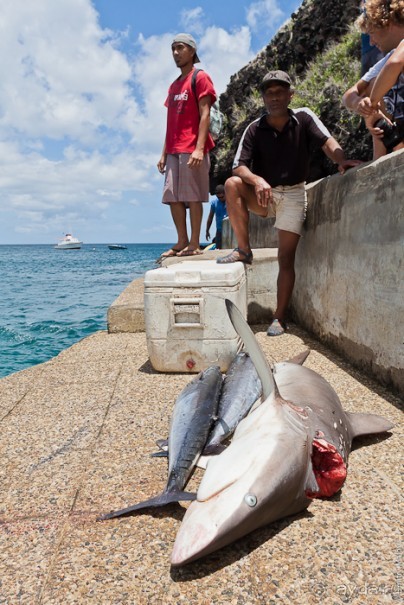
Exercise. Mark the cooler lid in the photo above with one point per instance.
(190, 274)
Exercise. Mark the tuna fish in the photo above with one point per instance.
(241, 389)
(194, 412)
(290, 449)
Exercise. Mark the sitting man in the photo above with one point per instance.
(270, 170)
(219, 211)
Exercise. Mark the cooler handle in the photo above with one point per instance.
(186, 312)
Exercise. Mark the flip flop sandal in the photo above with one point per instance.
(169, 253)
(236, 255)
(192, 252)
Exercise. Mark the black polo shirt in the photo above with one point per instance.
(281, 158)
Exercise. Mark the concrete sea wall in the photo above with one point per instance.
(350, 266)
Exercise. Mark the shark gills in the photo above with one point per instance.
(194, 411)
(291, 448)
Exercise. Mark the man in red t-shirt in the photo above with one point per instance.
(185, 157)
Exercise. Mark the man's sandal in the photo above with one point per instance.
(171, 252)
(236, 255)
(277, 328)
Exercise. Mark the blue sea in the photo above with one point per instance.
(50, 299)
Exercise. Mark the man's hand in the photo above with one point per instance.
(370, 122)
(161, 164)
(346, 164)
(195, 159)
(207, 235)
(263, 192)
(365, 107)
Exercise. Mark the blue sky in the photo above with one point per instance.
(82, 120)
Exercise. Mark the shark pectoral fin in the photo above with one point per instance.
(300, 358)
(162, 444)
(367, 424)
(252, 347)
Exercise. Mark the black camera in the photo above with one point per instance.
(392, 134)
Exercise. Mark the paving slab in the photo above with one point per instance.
(75, 441)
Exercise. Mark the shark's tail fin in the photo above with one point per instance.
(368, 424)
(252, 347)
(160, 500)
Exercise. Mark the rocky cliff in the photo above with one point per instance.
(320, 49)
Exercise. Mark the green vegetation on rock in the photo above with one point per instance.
(320, 49)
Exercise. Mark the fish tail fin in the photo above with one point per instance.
(160, 500)
(368, 424)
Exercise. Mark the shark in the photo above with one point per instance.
(291, 448)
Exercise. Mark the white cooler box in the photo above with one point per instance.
(187, 325)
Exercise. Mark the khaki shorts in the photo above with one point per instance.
(185, 184)
(289, 207)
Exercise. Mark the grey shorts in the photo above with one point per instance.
(184, 184)
(289, 207)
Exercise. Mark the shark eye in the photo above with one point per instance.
(250, 500)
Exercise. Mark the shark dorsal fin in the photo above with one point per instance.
(368, 424)
(300, 358)
(252, 347)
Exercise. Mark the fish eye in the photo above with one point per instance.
(250, 500)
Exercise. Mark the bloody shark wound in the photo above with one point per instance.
(291, 448)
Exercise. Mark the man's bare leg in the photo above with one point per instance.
(237, 211)
(287, 245)
(196, 213)
(240, 198)
(178, 213)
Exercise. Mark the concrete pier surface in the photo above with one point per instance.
(75, 438)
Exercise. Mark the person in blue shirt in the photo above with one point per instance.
(217, 209)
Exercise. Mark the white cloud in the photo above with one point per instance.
(61, 74)
(82, 123)
(264, 14)
(224, 53)
(192, 20)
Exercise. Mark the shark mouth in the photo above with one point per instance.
(329, 469)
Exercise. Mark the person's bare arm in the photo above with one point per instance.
(334, 151)
(388, 76)
(357, 98)
(209, 223)
(161, 164)
(196, 157)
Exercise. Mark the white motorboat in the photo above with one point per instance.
(68, 242)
